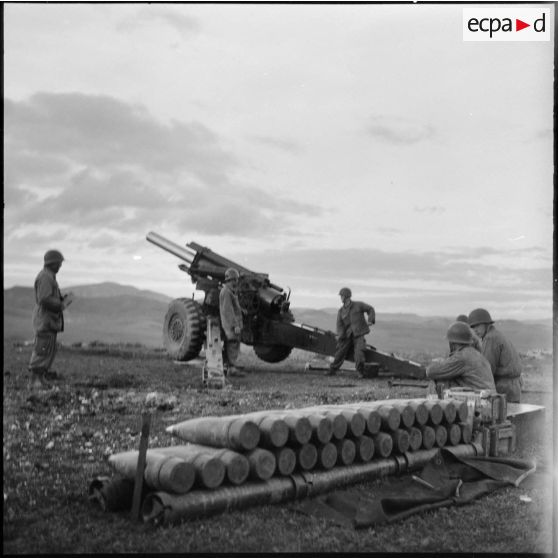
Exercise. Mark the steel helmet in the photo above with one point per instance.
(345, 291)
(53, 256)
(480, 316)
(231, 273)
(462, 318)
(460, 332)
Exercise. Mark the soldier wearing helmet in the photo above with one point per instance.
(503, 357)
(351, 329)
(465, 366)
(477, 344)
(231, 321)
(48, 318)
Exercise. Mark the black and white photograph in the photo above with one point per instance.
(278, 277)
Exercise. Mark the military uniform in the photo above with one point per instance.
(48, 320)
(231, 318)
(505, 363)
(465, 367)
(351, 329)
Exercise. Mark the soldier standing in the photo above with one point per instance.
(231, 321)
(48, 318)
(503, 357)
(465, 366)
(351, 329)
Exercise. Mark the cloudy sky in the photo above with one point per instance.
(366, 146)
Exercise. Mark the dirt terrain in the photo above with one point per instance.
(55, 444)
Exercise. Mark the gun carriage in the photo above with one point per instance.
(269, 325)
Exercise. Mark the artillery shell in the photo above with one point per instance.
(162, 472)
(262, 463)
(327, 455)
(449, 409)
(173, 474)
(236, 464)
(415, 438)
(237, 467)
(322, 428)
(390, 417)
(383, 444)
(428, 436)
(401, 440)
(346, 451)
(454, 433)
(355, 423)
(221, 432)
(306, 456)
(364, 448)
(273, 430)
(462, 410)
(210, 470)
(466, 432)
(372, 419)
(421, 412)
(436, 413)
(407, 414)
(300, 429)
(441, 435)
(339, 424)
(286, 460)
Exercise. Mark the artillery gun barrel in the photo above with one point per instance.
(166, 244)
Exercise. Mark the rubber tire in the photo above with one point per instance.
(184, 329)
(272, 353)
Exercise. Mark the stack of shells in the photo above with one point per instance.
(256, 446)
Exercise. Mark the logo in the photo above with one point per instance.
(506, 24)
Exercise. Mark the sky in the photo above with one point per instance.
(366, 146)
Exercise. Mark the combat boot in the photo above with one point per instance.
(52, 375)
(45, 385)
(36, 382)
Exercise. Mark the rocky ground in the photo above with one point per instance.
(55, 443)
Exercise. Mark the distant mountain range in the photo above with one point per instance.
(111, 312)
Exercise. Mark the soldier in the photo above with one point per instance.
(48, 318)
(477, 343)
(231, 321)
(351, 329)
(465, 367)
(504, 359)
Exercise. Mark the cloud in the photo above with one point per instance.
(89, 161)
(397, 130)
(101, 130)
(454, 269)
(430, 209)
(185, 25)
(284, 145)
(389, 231)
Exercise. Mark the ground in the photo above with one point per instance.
(55, 445)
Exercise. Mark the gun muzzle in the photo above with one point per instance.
(166, 244)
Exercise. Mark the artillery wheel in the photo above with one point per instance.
(184, 329)
(272, 353)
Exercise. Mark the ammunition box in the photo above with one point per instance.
(371, 370)
(498, 439)
(529, 421)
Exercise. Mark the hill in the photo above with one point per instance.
(410, 333)
(110, 312)
(105, 312)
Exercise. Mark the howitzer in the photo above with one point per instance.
(269, 325)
